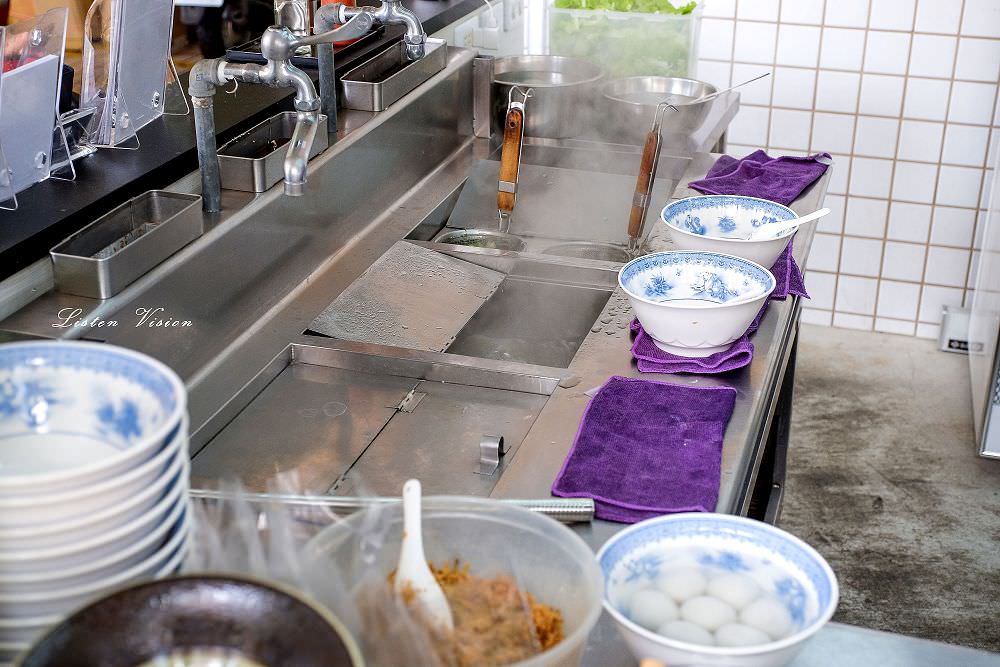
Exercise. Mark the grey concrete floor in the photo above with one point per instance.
(884, 481)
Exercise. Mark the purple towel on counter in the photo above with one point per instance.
(779, 180)
(651, 359)
(648, 448)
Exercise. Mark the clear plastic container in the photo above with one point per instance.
(627, 43)
(547, 559)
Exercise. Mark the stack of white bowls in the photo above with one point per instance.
(93, 479)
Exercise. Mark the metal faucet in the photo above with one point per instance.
(277, 45)
(390, 12)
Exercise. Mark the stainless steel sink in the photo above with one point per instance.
(569, 192)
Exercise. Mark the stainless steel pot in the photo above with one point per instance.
(631, 103)
(564, 98)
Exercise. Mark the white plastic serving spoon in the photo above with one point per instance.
(777, 228)
(413, 576)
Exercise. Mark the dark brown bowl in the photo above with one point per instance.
(260, 622)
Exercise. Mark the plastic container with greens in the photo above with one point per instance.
(627, 37)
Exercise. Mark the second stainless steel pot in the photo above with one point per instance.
(631, 102)
(564, 93)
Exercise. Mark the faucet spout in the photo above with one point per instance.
(392, 12)
(297, 157)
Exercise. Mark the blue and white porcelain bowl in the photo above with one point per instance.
(695, 304)
(784, 567)
(721, 223)
(76, 413)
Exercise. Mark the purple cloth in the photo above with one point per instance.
(651, 359)
(648, 448)
(780, 180)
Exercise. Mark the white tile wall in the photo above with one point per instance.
(892, 14)
(903, 94)
(978, 59)
(982, 18)
(856, 295)
(972, 102)
(920, 141)
(803, 11)
(861, 257)
(833, 133)
(876, 136)
(790, 129)
(965, 144)
(853, 13)
(887, 52)
(870, 177)
(798, 45)
(953, 226)
(909, 222)
(881, 95)
(904, 261)
(932, 55)
(837, 91)
(926, 98)
(914, 182)
(793, 88)
(843, 48)
(866, 217)
(936, 16)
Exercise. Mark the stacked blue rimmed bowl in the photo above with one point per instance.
(93, 479)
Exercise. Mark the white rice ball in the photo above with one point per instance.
(735, 634)
(737, 590)
(683, 583)
(683, 631)
(650, 608)
(769, 616)
(707, 612)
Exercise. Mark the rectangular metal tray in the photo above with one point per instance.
(383, 80)
(107, 255)
(247, 164)
(358, 419)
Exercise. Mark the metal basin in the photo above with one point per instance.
(481, 238)
(563, 99)
(255, 160)
(120, 247)
(631, 102)
(606, 252)
(383, 80)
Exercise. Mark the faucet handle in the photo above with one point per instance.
(358, 26)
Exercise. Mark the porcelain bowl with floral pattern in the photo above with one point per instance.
(784, 567)
(721, 223)
(694, 304)
(75, 413)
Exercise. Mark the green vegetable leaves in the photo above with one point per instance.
(643, 6)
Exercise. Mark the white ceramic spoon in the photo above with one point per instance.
(413, 576)
(774, 229)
